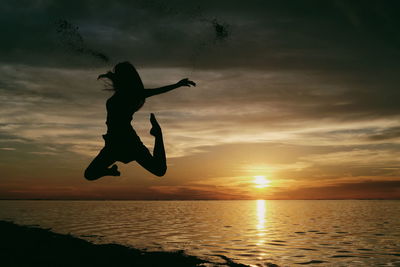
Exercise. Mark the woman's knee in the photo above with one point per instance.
(90, 174)
(160, 170)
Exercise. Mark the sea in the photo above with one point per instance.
(251, 232)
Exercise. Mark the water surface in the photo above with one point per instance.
(286, 233)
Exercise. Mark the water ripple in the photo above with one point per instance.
(260, 233)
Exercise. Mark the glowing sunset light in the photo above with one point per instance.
(261, 181)
(288, 120)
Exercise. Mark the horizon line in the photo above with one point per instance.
(115, 199)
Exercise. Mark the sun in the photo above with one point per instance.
(261, 181)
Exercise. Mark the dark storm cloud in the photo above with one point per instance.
(104, 26)
(263, 34)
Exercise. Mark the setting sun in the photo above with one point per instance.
(261, 181)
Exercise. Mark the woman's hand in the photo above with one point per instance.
(155, 129)
(164, 89)
(186, 82)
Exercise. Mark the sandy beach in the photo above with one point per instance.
(31, 246)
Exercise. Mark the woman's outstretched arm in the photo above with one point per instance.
(164, 89)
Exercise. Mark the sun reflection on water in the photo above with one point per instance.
(261, 210)
(261, 214)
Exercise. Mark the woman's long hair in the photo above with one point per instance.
(126, 80)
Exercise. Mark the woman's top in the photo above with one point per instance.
(121, 140)
(120, 110)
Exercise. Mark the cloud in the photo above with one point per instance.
(386, 134)
(265, 35)
(7, 148)
(367, 189)
(357, 190)
(197, 192)
(65, 107)
(306, 89)
(51, 191)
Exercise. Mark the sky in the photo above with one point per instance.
(300, 95)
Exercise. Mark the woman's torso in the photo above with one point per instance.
(120, 110)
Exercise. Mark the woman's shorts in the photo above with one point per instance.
(124, 148)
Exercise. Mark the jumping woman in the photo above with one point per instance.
(121, 141)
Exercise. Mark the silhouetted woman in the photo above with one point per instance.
(121, 141)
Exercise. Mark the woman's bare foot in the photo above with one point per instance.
(113, 171)
(155, 129)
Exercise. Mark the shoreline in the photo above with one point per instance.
(31, 246)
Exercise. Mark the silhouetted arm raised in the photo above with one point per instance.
(164, 89)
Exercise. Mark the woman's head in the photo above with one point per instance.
(124, 77)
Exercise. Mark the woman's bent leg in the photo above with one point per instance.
(156, 163)
(99, 167)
